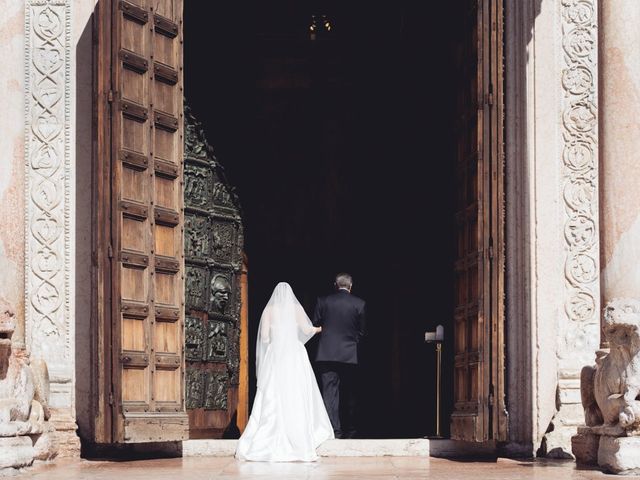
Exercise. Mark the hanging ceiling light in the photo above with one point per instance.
(319, 26)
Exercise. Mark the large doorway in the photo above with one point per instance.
(343, 152)
(362, 138)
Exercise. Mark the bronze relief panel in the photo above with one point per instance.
(213, 242)
(216, 393)
(197, 287)
(197, 185)
(197, 241)
(225, 240)
(217, 341)
(195, 339)
(195, 388)
(222, 295)
(233, 353)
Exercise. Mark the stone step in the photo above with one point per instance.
(410, 447)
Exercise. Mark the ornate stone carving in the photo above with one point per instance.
(611, 389)
(578, 327)
(24, 397)
(610, 393)
(48, 180)
(195, 339)
(217, 341)
(580, 121)
(216, 393)
(195, 388)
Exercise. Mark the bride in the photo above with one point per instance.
(288, 421)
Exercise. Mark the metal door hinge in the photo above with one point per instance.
(110, 96)
(110, 251)
(488, 98)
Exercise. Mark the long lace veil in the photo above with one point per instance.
(283, 322)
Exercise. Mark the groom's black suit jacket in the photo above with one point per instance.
(342, 319)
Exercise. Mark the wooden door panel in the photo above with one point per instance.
(147, 292)
(478, 315)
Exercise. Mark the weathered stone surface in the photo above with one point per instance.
(45, 445)
(16, 452)
(611, 388)
(584, 447)
(619, 454)
(25, 432)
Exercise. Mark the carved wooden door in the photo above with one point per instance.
(214, 296)
(478, 413)
(140, 141)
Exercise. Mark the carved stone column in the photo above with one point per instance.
(610, 389)
(578, 326)
(49, 327)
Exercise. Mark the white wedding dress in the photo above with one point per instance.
(289, 420)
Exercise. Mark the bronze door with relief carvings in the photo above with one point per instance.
(139, 224)
(213, 252)
(479, 409)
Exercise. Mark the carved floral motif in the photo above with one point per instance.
(580, 123)
(48, 173)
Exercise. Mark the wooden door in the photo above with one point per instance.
(478, 413)
(215, 299)
(140, 152)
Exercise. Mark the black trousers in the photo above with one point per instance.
(339, 394)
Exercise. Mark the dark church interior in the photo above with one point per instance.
(341, 148)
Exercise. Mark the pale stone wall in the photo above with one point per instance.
(46, 330)
(12, 164)
(620, 178)
(552, 217)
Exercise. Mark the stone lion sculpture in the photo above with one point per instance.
(24, 393)
(611, 390)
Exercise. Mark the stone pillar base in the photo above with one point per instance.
(67, 438)
(584, 446)
(614, 453)
(16, 452)
(619, 454)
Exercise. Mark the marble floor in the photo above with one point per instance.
(206, 468)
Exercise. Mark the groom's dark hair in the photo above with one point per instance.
(344, 280)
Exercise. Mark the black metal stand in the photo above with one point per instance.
(438, 344)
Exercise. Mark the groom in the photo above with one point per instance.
(341, 316)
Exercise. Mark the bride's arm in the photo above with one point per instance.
(265, 329)
(304, 324)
